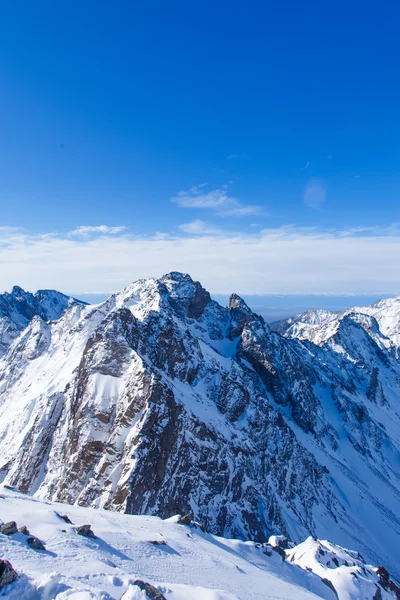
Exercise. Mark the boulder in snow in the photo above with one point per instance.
(65, 518)
(151, 592)
(35, 543)
(24, 530)
(279, 541)
(7, 573)
(85, 530)
(9, 528)
(185, 520)
(158, 542)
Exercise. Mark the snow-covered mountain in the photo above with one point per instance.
(160, 401)
(175, 561)
(18, 308)
(319, 325)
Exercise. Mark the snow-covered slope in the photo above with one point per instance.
(18, 308)
(319, 325)
(160, 401)
(182, 562)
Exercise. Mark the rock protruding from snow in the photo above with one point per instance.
(7, 573)
(85, 531)
(152, 592)
(9, 528)
(24, 530)
(34, 543)
(64, 518)
(185, 520)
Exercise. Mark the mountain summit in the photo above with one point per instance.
(160, 401)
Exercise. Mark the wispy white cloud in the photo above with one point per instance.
(199, 227)
(197, 198)
(85, 230)
(373, 230)
(217, 200)
(273, 261)
(315, 193)
(243, 210)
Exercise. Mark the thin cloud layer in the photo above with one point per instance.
(199, 227)
(275, 261)
(217, 200)
(85, 230)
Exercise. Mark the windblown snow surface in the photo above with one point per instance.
(188, 564)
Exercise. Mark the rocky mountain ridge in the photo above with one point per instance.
(161, 401)
(319, 325)
(18, 308)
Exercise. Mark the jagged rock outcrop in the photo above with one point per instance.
(161, 401)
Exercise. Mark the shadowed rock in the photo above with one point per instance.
(151, 592)
(186, 520)
(9, 528)
(387, 583)
(24, 530)
(65, 518)
(7, 573)
(85, 531)
(34, 543)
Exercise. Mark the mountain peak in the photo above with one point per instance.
(236, 301)
(185, 294)
(240, 315)
(18, 291)
(179, 285)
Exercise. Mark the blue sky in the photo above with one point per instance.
(254, 145)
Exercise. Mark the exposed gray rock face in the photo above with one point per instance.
(64, 518)
(24, 530)
(9, 528)
(152, 593)
(85, 531)
(185, 520)
(161, 401)
(35, 543)
(7, 573)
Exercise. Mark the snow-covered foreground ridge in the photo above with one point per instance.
(160, 401)
(181, 561)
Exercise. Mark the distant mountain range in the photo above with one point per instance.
(19, 308)
(161, 401)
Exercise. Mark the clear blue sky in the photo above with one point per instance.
(287, 112)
